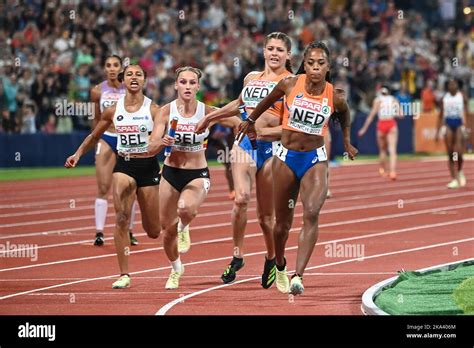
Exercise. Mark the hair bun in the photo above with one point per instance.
(120, 77)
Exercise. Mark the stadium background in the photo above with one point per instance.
(53, 52)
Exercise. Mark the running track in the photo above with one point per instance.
(412, 223)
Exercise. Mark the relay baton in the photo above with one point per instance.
(171, 133)
(244, 117)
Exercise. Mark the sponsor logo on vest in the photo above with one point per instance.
(119, 117)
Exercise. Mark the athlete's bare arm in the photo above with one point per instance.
(343, 113)
(95, 98)
(91, 140)
(229, 110)
(370, 117)
(158, 138)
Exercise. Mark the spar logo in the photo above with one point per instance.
(128, 129)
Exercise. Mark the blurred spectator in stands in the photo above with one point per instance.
(428, 98)
(10, 91)
(50, 126)
(28, 122)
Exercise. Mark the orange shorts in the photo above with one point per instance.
(385, 126)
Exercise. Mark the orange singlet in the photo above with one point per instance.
(257, 89)
(306, 113)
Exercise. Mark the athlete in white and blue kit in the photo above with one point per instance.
(103, 96)
(453, 113)
(134, 175)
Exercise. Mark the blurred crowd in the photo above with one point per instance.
(55, 50)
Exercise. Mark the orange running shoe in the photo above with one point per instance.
(393, 176)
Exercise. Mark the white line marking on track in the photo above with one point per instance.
(416, 228)
(339, 223)
(164, 309)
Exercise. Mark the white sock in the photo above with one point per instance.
(100, 213)
(132, 215)
(181, 227)
(176, 264)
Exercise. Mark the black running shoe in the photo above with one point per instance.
(99, 239)
(269, 273)
(231, 271)
(133, 240)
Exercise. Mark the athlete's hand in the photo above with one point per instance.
(167, 140)
(351, 151)
(71, 161)
(361, 132)
(202, 126)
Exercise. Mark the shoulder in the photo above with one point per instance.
(209, 108)
(96, 92)
(110, 111)
(251, 76)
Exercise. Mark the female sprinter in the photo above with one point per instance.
(185, 176)
(133, 116)
(453, 112)
(249, 165)
(387, 131)
(301, 163)
(104, 95)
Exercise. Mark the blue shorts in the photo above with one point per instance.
(111, 140)
(453, 123)
(264, 150)
(300, 162)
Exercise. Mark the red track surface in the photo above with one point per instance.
(412, 223)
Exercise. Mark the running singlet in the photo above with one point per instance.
(257, 89)
(110, 95)
(388, 107)
(306, 113)
(133, 129)
(186, 140)
(453, 105)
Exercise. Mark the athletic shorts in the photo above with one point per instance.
(145, 171)
(301, 161)
(264, 151)
(179, 178)
(111, 140)
(385, 126)
(453, 123)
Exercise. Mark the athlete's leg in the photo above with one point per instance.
(265, 211)
(392, 139)
(285, 194)
(105, 159)
(243, 170)
(124, 188)
(313, 194)
(382, 144)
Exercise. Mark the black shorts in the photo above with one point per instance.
(145, 171)
(179, 178)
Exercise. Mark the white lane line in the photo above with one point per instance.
(297, 215)
(164, 309)
(339, 223)
(341, 182)
(332, 200)
(404, 230)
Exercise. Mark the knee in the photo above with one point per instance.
(152, 230)
(122, 220)
(311, 214)
(241, 200)
(282, 227)
(186, 213)
(103, 189)
(265, 220)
